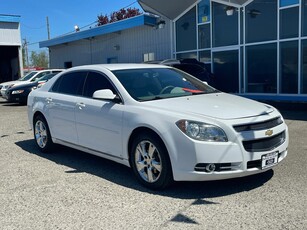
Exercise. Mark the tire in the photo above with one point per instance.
(150, 161)
(42, 134)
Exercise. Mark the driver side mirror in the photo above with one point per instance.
(105, 94)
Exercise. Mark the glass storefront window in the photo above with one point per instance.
(205, 56)
(261, 21)
(289, 67)
(304, 67)
(288, 2)
(289, 22)
(261, 68)
(204, 40)
(187, 55)
(304, 17)
(204, 11)
(186, 31)
(225, 25)
(226, 71)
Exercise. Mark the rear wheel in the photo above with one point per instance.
(150, 161)
(42, 134)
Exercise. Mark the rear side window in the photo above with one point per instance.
(71, 83)
(94, 82)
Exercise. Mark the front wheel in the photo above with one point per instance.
(150, 161)
(42, 134)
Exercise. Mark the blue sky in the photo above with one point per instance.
(63, 15)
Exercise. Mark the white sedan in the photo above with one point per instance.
(163, 123)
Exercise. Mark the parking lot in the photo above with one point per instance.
(69, 189)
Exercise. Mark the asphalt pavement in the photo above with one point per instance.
(69, 189)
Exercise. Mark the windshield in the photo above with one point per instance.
(28, 76)
(46, 77)
(159, 83)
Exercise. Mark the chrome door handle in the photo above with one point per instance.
(80, 105)
(48, 100)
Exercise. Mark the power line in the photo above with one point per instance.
(33, 28)
(34, 43)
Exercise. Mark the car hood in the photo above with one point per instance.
(9, 83)
(24, 86)
(219, 105)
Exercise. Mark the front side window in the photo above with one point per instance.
(70, 83)
(160, 83)
(28, 76)
(38, 76)
(94, 82)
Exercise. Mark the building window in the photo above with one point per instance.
(304, 67)
(261, 21)
(288, 2)
(304, 17)
(225, 25)
(186, 31)
(205, 56)
(226, 71)
(149, 57)
(289, 67)
(289, 19)
(204, 40)
(204, 11)
(187, 55)
(261, 68)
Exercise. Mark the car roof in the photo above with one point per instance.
(113, 67)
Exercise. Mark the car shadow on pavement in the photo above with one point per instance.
(82, 162)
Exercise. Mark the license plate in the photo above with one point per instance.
(269, 160)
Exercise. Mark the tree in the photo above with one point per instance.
(117, 16)
(39, 59)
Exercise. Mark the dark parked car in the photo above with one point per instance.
(191, 66)
(20, 93)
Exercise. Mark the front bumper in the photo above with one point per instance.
(231, 159)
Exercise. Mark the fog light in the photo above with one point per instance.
(210, 167)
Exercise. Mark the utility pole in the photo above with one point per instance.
(48, 28)
(25, 46)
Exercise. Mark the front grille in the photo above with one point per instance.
(260, 125)
(265, 144)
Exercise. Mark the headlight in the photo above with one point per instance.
(202, 131)
(17, 91)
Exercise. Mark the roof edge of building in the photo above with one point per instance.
(9, 18)
(129, 23)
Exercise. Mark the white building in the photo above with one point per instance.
(131, 40)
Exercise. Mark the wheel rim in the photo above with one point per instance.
(148, 161)
(41, 135)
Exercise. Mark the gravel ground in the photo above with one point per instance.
(69, 189)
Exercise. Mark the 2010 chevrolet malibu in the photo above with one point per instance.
(163, 123)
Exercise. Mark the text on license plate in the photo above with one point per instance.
(268, 160)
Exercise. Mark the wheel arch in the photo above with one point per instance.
(140, 130)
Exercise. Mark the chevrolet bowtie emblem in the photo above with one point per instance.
(269, 132)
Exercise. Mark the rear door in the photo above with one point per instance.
(61, 106)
